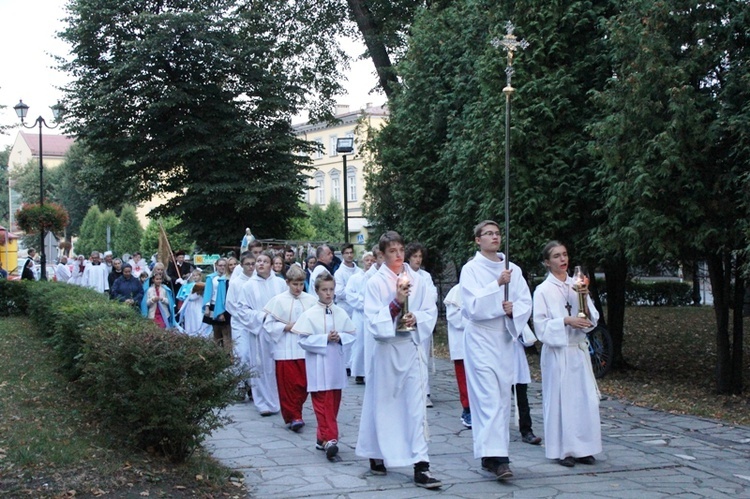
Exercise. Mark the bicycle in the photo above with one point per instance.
(601, 351)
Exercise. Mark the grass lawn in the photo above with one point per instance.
(671, 359)
(50, 447)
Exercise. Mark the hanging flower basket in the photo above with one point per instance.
(33, 218)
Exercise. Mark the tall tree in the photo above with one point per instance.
(73, 190)
(178, 239)
(442, 154)
(673, 156)
(129, 232)
(193, 99)
(86, 242)
(328, 222)
(108, 222)
(26, 182)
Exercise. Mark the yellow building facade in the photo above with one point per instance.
(326, 181)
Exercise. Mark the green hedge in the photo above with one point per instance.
(155, 389)
(655, 294)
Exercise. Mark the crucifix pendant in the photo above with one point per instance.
(568, 306)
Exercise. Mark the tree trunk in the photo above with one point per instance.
(696, 284)
(616, 273)
(375, 46)
(737, 327)
(719, 276)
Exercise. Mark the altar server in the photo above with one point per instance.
(393, 429)
(492, 327)
(282, 313)
(326, 331)
(254, 296)
(572, 427)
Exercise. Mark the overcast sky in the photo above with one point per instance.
(28, 44)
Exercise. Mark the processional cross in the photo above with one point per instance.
(510, 43)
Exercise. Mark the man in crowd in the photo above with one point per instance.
(393, 427)
(95, 275)
(62, 271)
(492, 325)
(324, 257)
(179, 270)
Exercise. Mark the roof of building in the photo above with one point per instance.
(344, 117)
(53, 145)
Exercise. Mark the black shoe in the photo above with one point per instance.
(490, 464)
(423, 478)
(348, 372)
(586, 460)
(503, 472)
(568, 462)
(532, 439)
(359, 380)
(377, 467)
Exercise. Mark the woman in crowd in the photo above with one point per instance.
(569, 393)
(278, 266)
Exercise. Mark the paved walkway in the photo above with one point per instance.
(647, 454)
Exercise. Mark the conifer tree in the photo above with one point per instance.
(129, 232)
(86, 242)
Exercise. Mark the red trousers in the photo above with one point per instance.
(291, 379)
(326, 406)
(463, 393)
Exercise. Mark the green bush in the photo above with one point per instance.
(655, 294)
(14, 297)
(160, 390)
(62, 312)
(156, 389)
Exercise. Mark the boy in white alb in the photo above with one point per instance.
(253, 297)
(291, 378)
(326, 331)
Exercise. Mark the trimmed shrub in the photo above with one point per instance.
(14, 297)
(655, 294)
(62, 312)
(158, 389)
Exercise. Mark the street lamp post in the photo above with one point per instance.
(345, 146)
(22, 110)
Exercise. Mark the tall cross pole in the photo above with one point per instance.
(510, 44)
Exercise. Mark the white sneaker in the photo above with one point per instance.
(429, 402)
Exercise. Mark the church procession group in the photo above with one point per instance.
(297, 331)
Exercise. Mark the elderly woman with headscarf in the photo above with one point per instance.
(127, 288)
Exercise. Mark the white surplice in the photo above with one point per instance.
(355, 297)
(393, 425)
(427, 344)
(455, 319)
(341, 278)
(253, 297)
(96, 277)
(62, 273)
(489, 335)
(325, 362)
(240, 334)
(572, 426)
(286, 309)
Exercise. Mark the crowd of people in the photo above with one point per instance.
(299, 327)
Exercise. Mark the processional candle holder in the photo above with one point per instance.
(581, 286)
(401, 326)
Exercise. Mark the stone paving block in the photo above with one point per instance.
(265, 452)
